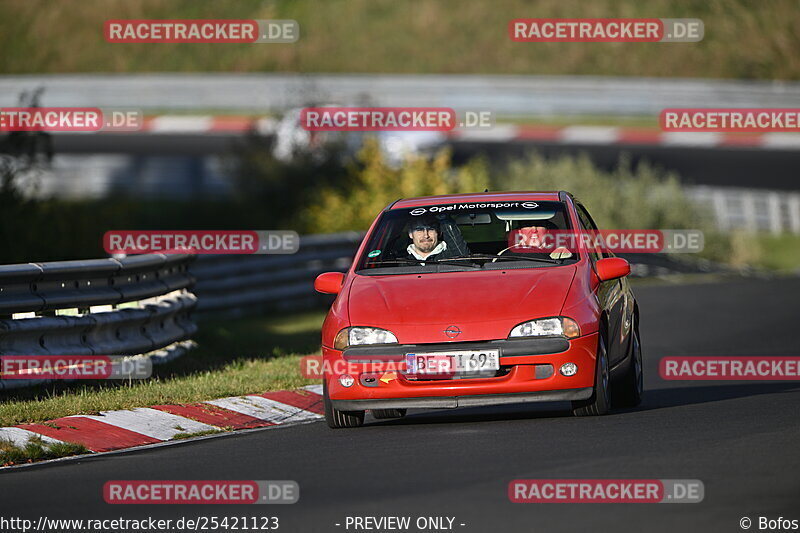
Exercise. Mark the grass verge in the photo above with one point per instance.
(181, 436)
(779, 252)
(750, 40)
(234, 357)
(36, 450)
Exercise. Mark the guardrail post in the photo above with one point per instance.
(794, 213)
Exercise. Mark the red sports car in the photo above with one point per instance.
(450, 302)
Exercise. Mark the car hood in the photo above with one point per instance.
(482, 304)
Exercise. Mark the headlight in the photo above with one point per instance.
(547, 327)
(361, 335)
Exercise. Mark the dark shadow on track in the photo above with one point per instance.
(675, 397)
(468, 415)
(653, 399)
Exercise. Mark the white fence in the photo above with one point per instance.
(751, 209)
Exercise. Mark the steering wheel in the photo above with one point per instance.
(559, 251)
(504, 250)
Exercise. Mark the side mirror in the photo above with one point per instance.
(329, 282)
(612, 268)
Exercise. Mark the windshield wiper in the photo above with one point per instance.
(512, 258)
(398, 261)
(449, 259)
(420, 262)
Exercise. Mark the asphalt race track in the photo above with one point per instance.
(740, 439)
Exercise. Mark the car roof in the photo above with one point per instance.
(482, 197)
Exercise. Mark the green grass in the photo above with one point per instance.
(779, 252)
(234, 357)
(743, 38)
(181, 436)
(36, 450)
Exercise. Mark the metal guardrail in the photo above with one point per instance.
(505, 95)
(133, 306)
(237, 285)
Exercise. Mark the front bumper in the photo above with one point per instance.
(451, 402)
(530, 374)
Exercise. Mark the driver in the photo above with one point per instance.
(429, 239)
(537, 239)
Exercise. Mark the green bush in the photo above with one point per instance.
(280, 190)
(270, 194)
(327, 192)
(627, 197)
(372, 183)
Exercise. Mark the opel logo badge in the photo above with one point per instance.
(418, 211)
(452, 331)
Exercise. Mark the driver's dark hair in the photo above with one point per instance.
(428, 220)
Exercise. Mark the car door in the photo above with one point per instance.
(612, 295)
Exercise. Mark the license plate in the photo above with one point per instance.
(452, 363)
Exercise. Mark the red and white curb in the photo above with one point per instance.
(602, 135)
(115, 430)
(567, 135)
(188, 124)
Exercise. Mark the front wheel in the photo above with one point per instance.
(340, 419)
(600, 401)
(630, 389)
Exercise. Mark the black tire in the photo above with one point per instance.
(628, 391)
(388, 413)
(600, 401)
(340, 419)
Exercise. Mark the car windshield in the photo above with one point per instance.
(464, 237)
